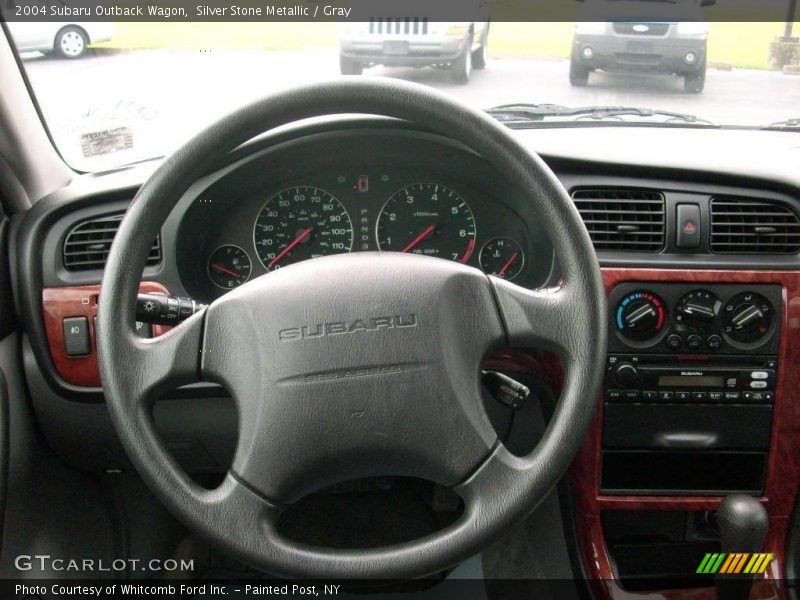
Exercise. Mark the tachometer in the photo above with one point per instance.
(299, 223)
(429, 219)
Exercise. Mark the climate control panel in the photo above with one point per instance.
(692, 318)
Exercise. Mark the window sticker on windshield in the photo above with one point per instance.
(106, 141)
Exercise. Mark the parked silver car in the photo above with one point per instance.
(68, 40)
(414, 42)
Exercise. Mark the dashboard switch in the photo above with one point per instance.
(507, 390)
(688, 222)
(76, 336)
(165, 310)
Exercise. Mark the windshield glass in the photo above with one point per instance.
(118, 93)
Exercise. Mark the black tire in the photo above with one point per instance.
(479, 55)
(71, 42)
(461, 68)
(695, 83)
(578, 75)
(349, 67)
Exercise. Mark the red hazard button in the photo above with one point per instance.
(688, 230)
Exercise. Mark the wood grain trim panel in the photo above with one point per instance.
(783, 469)
(79, 301)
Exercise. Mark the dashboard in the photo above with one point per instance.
(377, 185)
(320, 196)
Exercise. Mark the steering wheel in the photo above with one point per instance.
(355, 365)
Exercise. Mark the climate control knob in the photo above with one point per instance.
(697, 310)
(747, 317)
(640, 316)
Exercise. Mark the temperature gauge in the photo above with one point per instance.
(229, 267)
(502, 257)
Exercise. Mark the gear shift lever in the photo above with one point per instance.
(742, 523)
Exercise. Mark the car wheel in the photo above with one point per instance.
(71, 42)
(578, 75)
(479, 56)
(349, 67)
(461, 69)
(695, 83)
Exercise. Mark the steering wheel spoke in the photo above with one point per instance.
(161, 363)
(546, 318)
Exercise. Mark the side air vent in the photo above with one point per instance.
(752, 226)
(619, 219)
(87, 244)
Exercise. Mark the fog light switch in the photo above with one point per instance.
(76, 336)
(688, 235)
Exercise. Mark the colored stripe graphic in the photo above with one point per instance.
(733, 563)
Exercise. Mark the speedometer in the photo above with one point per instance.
(429, 219)
(299, 223)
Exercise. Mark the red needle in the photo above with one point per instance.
(426, 232)
(224, 270)
(303, 235)
(507, 266)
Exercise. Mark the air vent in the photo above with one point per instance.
(620, 219)
(752, 226)
(87, 244)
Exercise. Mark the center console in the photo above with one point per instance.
(690, 388)
(698, 404)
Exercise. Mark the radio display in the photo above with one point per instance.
(702, 381)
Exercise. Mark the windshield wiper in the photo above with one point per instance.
(509, 113)
(787, 125)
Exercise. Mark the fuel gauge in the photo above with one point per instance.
(229, 267)
(502, 257)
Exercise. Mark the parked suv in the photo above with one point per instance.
(641, 46)
(414, 42)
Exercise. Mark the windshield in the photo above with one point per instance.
(118, 93)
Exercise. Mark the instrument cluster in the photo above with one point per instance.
(356, 191)
(340, 213)
(304, 221)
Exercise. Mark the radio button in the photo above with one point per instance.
(732, 382)
(768, 396)
(714, 342)
(716, 396)
(694, 341)
(613, 395)
(631, 395)
(759, 375)
(674, 341)
(682, 396)
(665, 396)
(731, 395)
(699, 396)
(748, 396)
(758, 385)
(650, 395)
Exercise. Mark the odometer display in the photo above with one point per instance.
(428, 219)
(299, 223)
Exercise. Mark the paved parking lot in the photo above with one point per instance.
(165, 96)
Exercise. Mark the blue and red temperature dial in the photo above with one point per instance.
(640, 316)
